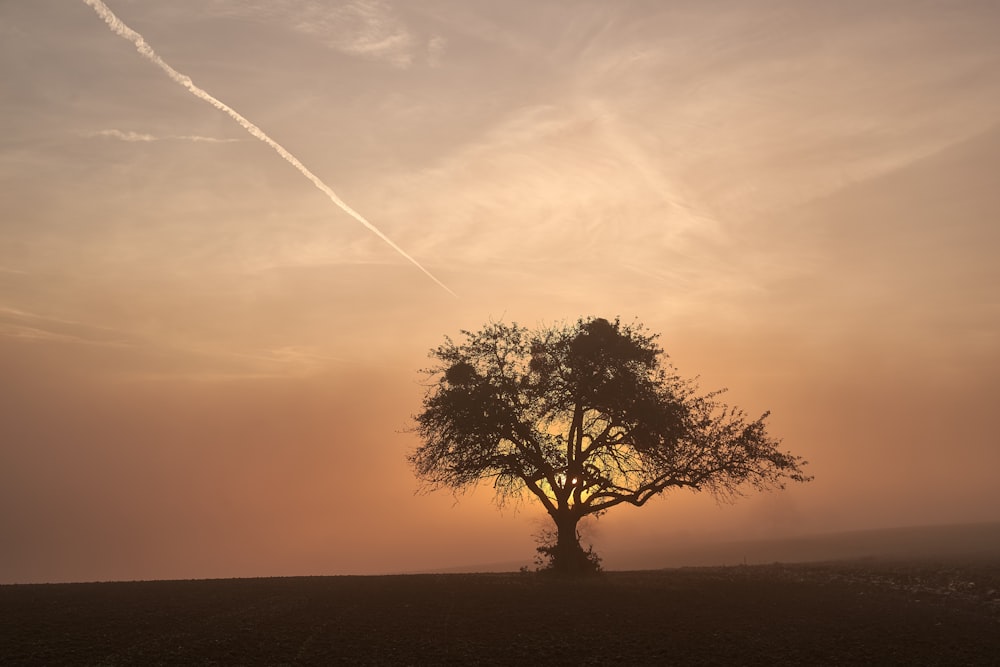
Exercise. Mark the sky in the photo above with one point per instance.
(209, 368)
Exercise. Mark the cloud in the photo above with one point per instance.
(119, 28)
(154, 355)
(365, 28)
(436, 48)
(124, 136)
(368, 29)
(551, 176)
(24, 325)
(140, 137)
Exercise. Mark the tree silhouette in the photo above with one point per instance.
(584, 417)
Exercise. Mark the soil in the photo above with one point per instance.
(844, 613)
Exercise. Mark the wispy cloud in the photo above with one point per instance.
(436, 48)
(364, 28)
(548, 175)
(9, 270)
(141, 137)
(369, 29)
(166, 356)
(119, 28)
(21, 324)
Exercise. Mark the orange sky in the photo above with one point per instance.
(208, 368)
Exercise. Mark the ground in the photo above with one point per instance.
(860, 612)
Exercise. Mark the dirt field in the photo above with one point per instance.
(840, 613)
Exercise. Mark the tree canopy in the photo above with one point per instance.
(583, 417)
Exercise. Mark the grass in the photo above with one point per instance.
(856, 612)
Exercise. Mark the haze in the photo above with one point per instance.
(208, 370)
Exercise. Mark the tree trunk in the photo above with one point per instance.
(567, 556)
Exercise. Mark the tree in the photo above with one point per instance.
(584, 417)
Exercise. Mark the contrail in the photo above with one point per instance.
(122, 30)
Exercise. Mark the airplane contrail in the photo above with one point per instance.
(122, 30)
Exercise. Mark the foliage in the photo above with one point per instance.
(583, 417)
(552, 557)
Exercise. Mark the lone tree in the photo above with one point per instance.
(584, 417)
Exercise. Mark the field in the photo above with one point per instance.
(852, 612)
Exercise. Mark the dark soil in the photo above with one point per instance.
(873, 613)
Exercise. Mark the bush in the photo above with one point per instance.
(570, 560)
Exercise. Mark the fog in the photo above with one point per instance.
(206, 370)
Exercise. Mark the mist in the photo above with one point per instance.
(203, 375)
